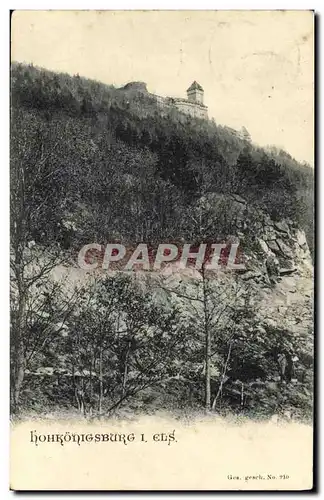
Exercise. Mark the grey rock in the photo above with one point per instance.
(263, 245)
(251, 275)
(272, 244)
(282, 227)
(301, 238)
(239, 198)
(285, 249)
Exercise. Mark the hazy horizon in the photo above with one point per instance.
(256, 67)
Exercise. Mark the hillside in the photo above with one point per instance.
(103, 146)
(93, 163)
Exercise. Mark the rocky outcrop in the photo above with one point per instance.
(279, 264)
(135, 86)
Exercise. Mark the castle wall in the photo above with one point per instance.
(161, 101)
(193, 109)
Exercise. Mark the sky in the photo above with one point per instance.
(256, 67)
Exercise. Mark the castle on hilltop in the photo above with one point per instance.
(193, 105)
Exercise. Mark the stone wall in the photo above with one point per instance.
(190, 108)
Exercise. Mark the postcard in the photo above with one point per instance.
(162, 250)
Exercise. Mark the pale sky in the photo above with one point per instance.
(256, 67)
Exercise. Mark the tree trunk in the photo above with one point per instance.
(220, 389)
(100, 382)
(19, 376)
(125, 370)
(19, 351)
(207, 346)
(90, 387)
(207, 380)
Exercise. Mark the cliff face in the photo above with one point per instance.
(278, 264)
(279, 267)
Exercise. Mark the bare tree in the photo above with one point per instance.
(31, 192)
(211, 304)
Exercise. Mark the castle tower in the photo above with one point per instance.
(195, 93)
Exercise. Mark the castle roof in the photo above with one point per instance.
(195, 86)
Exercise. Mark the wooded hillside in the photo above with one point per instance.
(92, 163)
